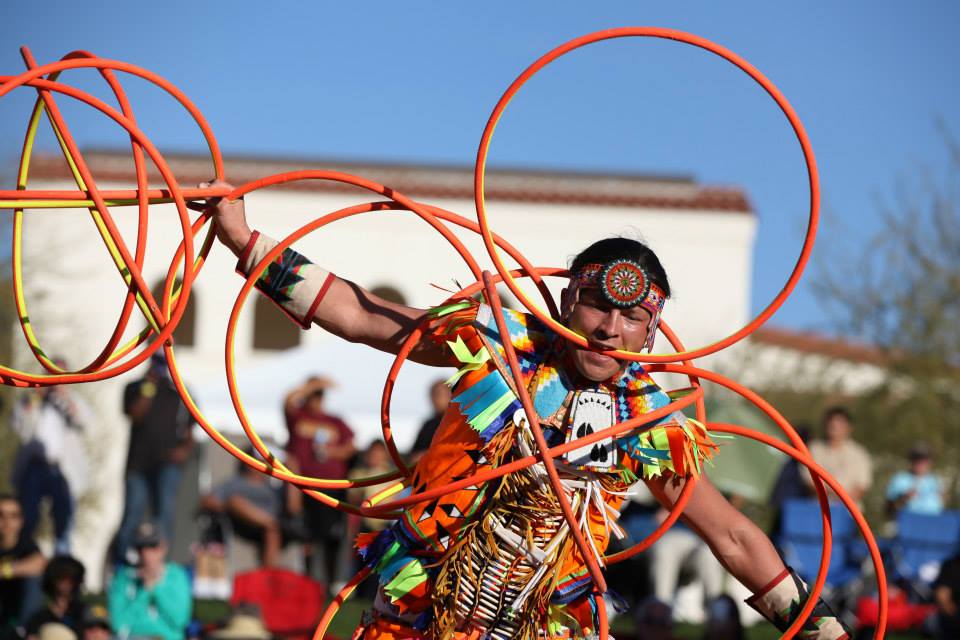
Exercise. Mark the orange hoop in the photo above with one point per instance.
(480, 170)
(164, 317)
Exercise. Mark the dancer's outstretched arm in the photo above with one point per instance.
(345, 309)
(735, 540)
(748, 554)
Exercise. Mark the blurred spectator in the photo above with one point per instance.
(439, 399)
(95, 624)
(723, 620)
(211, 576)
(255, 509)
(49, 463)
(654, 620)
(21, 565)
(844, 459)
(244, 623)
(917, 489)
(160, 442)
(790, 483)
(679, 549)
(62, 588)
(152, 598)
(374, 461)
(946, 595)
(320, 446)
(55, 631)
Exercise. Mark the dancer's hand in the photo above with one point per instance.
(229, 218)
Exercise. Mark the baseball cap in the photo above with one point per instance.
(921, 451)
(147, 535)
(96, 615)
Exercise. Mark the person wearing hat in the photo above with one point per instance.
(916, 489)
(244, 623)
(95, 624)
(152, 598)
(55, 631)
(160, 442)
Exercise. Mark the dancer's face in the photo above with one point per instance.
(605, 327)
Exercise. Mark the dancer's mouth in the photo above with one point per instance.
(599, 359)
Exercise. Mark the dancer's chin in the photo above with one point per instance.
(594, 366)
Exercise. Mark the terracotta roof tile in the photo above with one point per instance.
(809, 342)
(431, 182)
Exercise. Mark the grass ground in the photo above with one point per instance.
(346, 621)
(348, 618)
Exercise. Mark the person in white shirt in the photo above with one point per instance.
(50, 462)
(843, 458)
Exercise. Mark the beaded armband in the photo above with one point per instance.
(291, 281)
(781, 600)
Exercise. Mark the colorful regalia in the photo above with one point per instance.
(497, 560)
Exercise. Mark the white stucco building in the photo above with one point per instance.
(802, 361)
(703, 234)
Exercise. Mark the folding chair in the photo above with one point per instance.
(921, 545)
(801, 542)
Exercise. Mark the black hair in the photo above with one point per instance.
(835, 412)
(620, 248)
(61, 567)
(803, 430)
(243, 467)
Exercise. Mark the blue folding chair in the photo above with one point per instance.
(801, 542)
(923, 542)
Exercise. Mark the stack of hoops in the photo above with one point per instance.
(161, 316)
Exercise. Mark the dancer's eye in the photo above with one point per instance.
(593, 299)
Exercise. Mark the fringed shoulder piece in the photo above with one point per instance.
(678, 444)
(484, 389)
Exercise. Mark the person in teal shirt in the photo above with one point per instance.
(153, 598)
(916, 490)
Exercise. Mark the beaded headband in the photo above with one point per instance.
(624, 283)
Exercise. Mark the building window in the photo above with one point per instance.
(185, 334)
(273, 329)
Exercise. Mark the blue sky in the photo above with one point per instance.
(415, 81)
